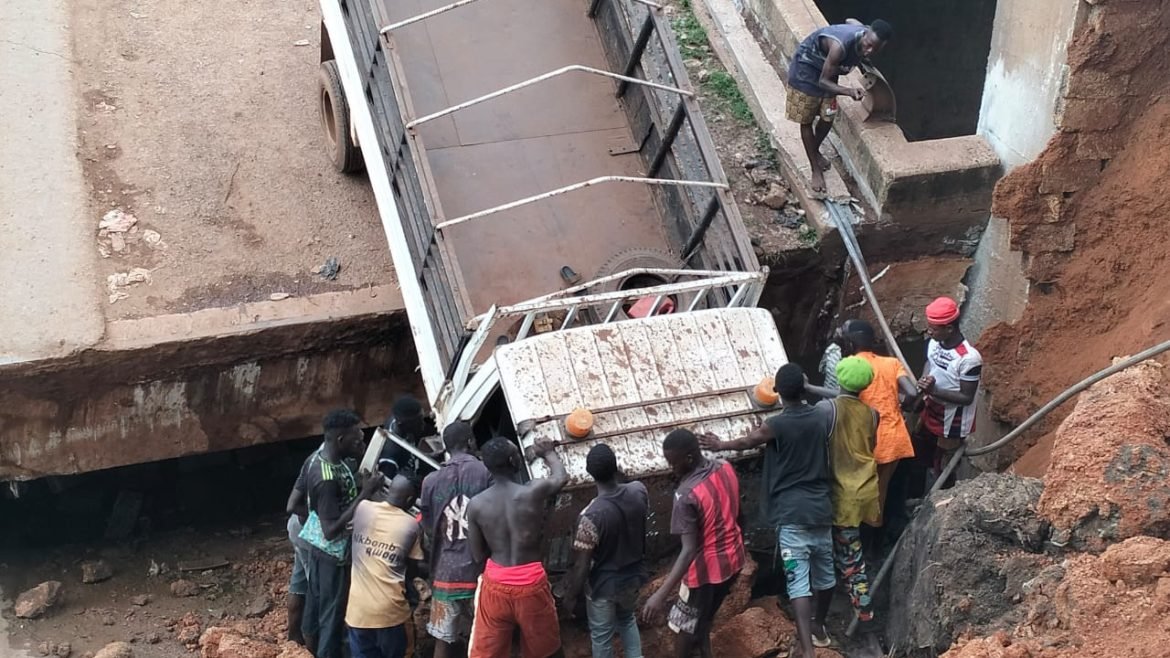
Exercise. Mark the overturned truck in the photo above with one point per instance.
(560, 224)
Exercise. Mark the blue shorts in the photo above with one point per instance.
(378, 642)
(298, 583)
(807, 552)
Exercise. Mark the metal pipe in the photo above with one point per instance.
(422, 17)
(636, 53)
(1008, 438)
(672, 130)
(570, 188)
(541, 78)
(405, 445)
(845, 228)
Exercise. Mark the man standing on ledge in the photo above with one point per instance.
(953, 370)
(812, 82)
(505, 526)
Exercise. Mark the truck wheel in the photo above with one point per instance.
(639, 257)
(346, 156)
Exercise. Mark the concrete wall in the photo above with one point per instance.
(1025, 73)
(930, 197)
(936, 62)
(213, 380)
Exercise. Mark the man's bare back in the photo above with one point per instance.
(505, 522)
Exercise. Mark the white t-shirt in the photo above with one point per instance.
(950, 367)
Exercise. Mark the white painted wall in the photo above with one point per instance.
(1025, 75)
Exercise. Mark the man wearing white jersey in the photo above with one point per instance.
(949, 383)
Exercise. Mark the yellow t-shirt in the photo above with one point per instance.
(855, 480)
(384, 537)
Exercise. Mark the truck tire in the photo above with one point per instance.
(346, 156)
(638, 257)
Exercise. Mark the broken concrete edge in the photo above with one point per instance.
(740, 54)
(171, 335)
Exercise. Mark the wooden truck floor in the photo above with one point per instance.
(530, 141)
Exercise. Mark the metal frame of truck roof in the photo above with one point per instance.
(404, 186)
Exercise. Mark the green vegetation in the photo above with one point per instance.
(719, 87)
(807, 235)
(692, 38)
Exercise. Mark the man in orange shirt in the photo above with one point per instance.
(893, 439)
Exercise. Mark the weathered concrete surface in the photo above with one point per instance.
(998, 293)
(50, 296)
(214, 380)
(1025, 72)
(932, 196)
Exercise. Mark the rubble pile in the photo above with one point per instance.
(996, 569)
(1108, 477)
(1114, 604)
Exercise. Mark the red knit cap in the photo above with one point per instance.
(943, 310)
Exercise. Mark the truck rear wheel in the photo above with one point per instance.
(346, 156)
(635, 258)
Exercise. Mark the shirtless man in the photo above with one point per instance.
(504, 528)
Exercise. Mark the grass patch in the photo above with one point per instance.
(692, 38)
(721, 85)
(718, 86)
(807, 235)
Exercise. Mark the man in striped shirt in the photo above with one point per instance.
(706, 516)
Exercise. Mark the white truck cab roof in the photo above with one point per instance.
(640, 378)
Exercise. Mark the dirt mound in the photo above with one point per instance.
(1104, 299)
(1110, 461)
(1114, 604)
(966, 555)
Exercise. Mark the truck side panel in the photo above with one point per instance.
(396, 170)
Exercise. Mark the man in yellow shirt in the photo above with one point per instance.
(855, 480)
(387, 548)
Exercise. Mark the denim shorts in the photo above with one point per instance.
(807, 552)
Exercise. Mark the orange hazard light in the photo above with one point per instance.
(764, 394)
(579, 423)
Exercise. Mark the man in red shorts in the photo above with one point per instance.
(504, 526)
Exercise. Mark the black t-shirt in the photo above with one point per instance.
(614, 526)
(797, 475)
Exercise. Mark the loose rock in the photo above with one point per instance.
(36, 601)
(754, 633)
(63, 650)
(258, 607)
(776, 197)
(141, 600)
(96, 571)
(115, 650)
(183, 588)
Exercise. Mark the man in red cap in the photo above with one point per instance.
(950, 382)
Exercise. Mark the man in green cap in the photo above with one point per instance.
(855, 478)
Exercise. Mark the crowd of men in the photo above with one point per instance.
(835, 477)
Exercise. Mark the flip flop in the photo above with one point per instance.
(821, 641)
